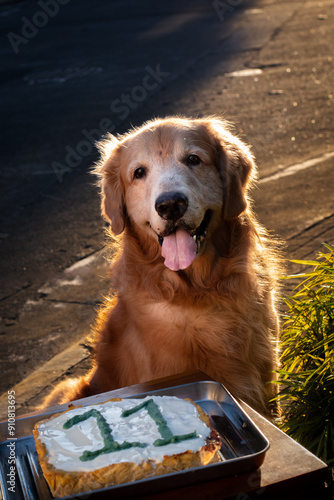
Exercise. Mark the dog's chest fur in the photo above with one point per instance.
(191, 327)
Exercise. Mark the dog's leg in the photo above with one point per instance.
(68, 390)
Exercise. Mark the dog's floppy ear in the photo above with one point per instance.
(236, 181)
(112, 191)
(236, 167)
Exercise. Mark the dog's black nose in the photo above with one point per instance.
(171, 205)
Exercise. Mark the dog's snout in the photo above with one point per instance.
(171, 205)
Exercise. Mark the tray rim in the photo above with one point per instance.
(104, 396)
(160, 391)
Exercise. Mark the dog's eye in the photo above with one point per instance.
(139, 173)
(193, 160)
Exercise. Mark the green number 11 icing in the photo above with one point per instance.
(111, 446)
(165, 432)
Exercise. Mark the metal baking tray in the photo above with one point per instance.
(243, 449)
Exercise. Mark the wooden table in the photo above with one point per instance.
(289, 471)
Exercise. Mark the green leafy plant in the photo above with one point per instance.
(306, 376)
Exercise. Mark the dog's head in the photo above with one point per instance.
(176, 180)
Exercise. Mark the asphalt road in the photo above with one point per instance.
(72, 70)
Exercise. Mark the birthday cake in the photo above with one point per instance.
(122, 440)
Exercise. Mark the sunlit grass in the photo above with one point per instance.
(306, 376)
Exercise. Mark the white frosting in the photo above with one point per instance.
(65, 446)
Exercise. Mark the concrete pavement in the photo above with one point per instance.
(266, 65)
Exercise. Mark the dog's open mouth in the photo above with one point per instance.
(179, 247)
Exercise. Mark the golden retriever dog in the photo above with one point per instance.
(194, 284)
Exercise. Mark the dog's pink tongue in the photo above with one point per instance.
(179, 250)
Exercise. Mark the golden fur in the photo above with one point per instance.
(217, 315)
